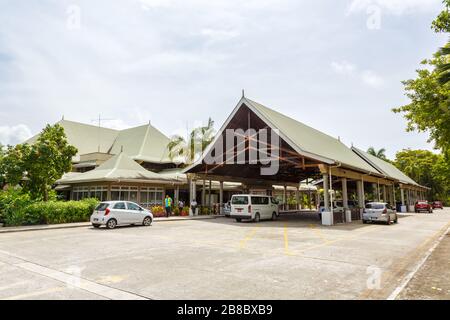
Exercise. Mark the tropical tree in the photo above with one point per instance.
(427, 169)
(38, 166)
(186, 151)
(379, 154)
(444, 69)
(429, 93)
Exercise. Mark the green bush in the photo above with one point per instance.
(12, 205)
(17, 209)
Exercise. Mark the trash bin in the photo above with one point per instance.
(327, 218)
(348, 216)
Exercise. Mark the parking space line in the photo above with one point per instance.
(248, 237)
(286, 241)
(318, 233)
(33, 294)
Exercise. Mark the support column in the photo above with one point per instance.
(284, 197)
(221, 198)
(309, 200)
(176, 196)
(326, 189)
(360, 190)
(297, 198)
(402, 196)
(394, 201)
(344, 193)
(204, 193)
(385, 194)
(374, 188)
(209, 195)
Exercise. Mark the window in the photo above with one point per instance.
(120, 206)
(260, 200)
(133, 206)
(102, 206)
(239, 200)
(376, 206)
(151, 196)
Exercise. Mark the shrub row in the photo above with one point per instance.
(22, 211)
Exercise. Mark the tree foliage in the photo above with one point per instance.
(429, 93)
(186, 151)
(379, 154)
(427, 169)
(38, 166)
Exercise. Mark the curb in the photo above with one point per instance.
(87, 224)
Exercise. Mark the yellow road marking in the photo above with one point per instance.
(33, 294)
(318, 233)
(248, 237)
(286, 242)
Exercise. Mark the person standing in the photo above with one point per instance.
(180, 205)
(168, 205)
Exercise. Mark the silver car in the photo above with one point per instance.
(114, 213)
(379, 211)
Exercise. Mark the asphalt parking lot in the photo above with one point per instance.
(292, 258)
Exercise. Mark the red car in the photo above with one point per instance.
(437, 204)
(423, 205)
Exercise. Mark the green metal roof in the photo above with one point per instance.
(119, 167)
(86, 138)
(310, 140)
(385, 167)
(144, 143)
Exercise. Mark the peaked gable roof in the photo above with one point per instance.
(309, 141)
(85, 137)
(144, 143)
(119, 167)
(385, 167)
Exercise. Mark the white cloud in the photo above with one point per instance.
(396, 7)
(343, 67)
(14, 134)
(372, 79)
(368, 77)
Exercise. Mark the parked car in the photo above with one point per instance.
(113, 213)
(253, 207)
(379, 212)
(423, 205)
(437, 205)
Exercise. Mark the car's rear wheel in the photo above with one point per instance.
(238, 220)
(111, 224)
(274, 216)
(147, 221)
(257, 218)
(96, 226)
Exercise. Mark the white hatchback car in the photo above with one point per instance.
(379, 211)
(114, 213)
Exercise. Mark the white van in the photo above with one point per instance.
(253, 207)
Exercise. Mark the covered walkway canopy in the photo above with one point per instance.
(302, 153)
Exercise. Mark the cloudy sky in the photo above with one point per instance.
(334, 65)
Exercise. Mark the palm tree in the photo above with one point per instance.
(444, 69)
(379, 154)
(199, 138)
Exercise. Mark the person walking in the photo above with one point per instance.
(168, 205)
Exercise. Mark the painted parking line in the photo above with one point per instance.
(286, 241)
(33, 294)
(80, 283)
(248, 237)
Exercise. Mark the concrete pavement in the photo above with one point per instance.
(292, 258)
